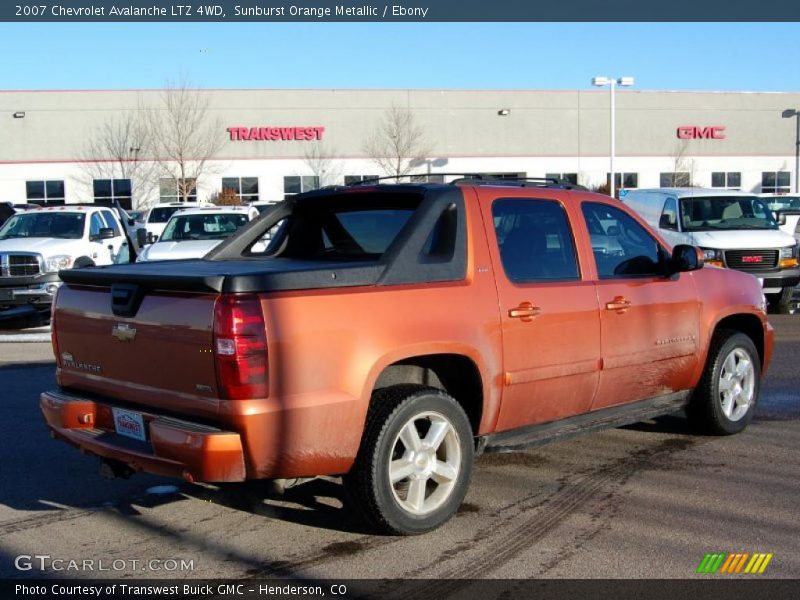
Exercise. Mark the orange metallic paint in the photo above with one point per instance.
(327, 348)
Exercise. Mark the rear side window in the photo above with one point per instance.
(535, 240)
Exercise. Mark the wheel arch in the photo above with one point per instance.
(455, 374)
(746, 323)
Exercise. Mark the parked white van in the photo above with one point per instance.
(735, 230)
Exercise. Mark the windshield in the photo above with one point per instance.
(203, 227)
(44, 225)
(711, 213)
(779, 203)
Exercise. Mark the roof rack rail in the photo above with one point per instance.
(372, 180)
(478, 179)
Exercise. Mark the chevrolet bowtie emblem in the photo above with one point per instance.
(123, 332)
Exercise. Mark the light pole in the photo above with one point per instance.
(788, 114)
(612, 83)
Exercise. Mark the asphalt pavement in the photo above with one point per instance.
(643, 501)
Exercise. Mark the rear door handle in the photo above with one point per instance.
(619, 304)
(525, 312)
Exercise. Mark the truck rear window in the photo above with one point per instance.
(342, 228)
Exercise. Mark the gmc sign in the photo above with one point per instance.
(692, 132)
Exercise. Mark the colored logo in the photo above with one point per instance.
(739, 564)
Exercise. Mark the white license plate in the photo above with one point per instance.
(129, 423)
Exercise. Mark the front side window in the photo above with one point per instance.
(244, 187)
(710, 213)
(669, 216)
(110, 222)
(621, 246)
(45, 192)
(95, 224)
(535, 240)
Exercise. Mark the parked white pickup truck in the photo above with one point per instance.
(36, 244)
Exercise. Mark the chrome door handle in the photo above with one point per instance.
(525, 312)
(619, 304)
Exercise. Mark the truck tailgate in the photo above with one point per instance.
(160, 358)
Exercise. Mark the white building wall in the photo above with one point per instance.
(270, 172)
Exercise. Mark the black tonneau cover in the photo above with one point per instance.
(246, 275)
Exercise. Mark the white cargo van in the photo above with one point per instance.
(735, 230)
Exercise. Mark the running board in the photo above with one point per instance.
(616, 416)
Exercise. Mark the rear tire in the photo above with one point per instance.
(782, 303)
(725, 399)
(414, 464)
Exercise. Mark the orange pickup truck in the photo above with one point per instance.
(388, 333)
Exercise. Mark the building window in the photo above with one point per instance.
(351, 179)
(107, 191)
(432, 178)
(45, 192)
(295, 184)
(730, 180)
(775, 182)
(169, 190)
(677, 179)
(624, 180)
(245, 187)
(568, 177)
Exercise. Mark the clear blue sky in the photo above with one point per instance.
(693, 56)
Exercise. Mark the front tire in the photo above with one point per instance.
(415, 461)
(725, 399)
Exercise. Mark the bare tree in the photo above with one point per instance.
(682, 166)
(113, 151)
(322, 162)
(396, 142)
(185, 139)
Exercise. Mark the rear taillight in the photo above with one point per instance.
(240, 347)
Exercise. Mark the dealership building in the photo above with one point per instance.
(274, 143)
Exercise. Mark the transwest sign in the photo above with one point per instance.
(275, 134)
(693, 132)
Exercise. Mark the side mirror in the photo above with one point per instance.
(781, 218)
(141, 237)
(667, 222)
(685, 258)
(105, 233)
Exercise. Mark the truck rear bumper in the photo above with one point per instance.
(173, 447)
